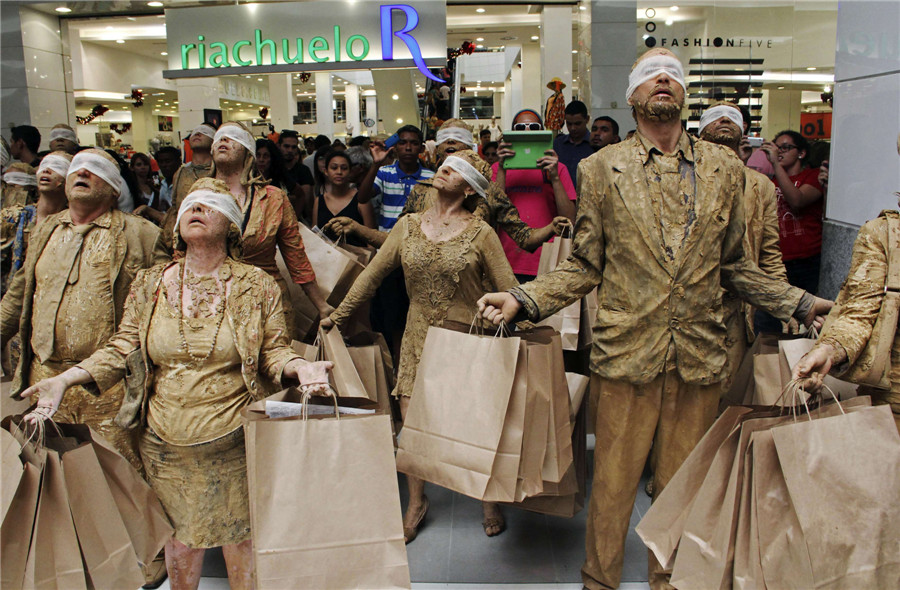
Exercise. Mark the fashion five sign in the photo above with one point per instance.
(305, 36)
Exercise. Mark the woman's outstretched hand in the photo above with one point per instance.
(47, 394)
(313, 376)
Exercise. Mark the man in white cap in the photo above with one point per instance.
(660, 229)
(200, 139)
(723, 123)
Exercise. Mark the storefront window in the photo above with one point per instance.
(776, 59)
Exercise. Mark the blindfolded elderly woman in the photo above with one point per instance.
(209, 330)
(445, 252)
(267, 216)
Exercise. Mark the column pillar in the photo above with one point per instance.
(613, 52)
(324, 104)
(372, 113)
(282, 102)
(194, 95)
(351, 102)
(38, 96)
(532, 89)
(512, 95)
(556, 49)
(144, 127)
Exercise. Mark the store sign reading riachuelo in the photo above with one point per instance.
(306, 36)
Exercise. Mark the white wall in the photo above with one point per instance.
(864, 165)
(115, 70)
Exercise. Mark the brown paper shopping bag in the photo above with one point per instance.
(452, 432)
(109, 556)
(372, 359)
(559, 455)
(17, 528)
(589, 304)
(504, 478)
(144, 517)
(843, 474)
(746, 573)
(662, 526)
(335, 269)
(791, 351)
(324, 501)
(783, 559)
(10, 449)
(536, 420)
(567, 321)
(54, 554)
(344, 376)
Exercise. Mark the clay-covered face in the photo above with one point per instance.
(722, 131)
(64, 145)
(49, 181)
(448, 147)
(204, 225)
(451, 181)
(227, 152)
(86, 187)
(660, 98)
(200, 142)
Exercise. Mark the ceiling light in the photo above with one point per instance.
(399, 121)
(164, 53)
(828, 89)
(669, 22)
(395, 97)
(63, 9)
(120, 41)
(479, 46)
(480, 39)
(673, 8)
(781, 88)
(534, 37)
(582, 8)
(574, 51)
(259, 79)
(479, 10)
(810, 69)
(154, 4)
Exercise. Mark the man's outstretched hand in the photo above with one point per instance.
(498, 307)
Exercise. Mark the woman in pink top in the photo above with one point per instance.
(540, 194)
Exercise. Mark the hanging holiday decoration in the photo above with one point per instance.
(467, 48)
(828, 98)
(304, 77)
(120, 129)
(97, 111)
(264, 112)
(137, 95)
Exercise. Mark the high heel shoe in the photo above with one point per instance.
(411, 531)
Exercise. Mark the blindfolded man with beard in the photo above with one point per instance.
(660, 229)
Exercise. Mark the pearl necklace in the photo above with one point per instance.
(219, 315)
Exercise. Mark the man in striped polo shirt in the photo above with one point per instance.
(393, 182)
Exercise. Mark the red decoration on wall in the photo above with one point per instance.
(137, 95)
(98, 111)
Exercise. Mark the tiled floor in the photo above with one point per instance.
(536, 552)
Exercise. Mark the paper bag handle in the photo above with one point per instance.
(794, 386)
(305, 401)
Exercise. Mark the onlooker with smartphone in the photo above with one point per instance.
(800, 210)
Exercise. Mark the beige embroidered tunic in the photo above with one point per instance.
(443, 279)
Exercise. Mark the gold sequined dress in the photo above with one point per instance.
(443, 279)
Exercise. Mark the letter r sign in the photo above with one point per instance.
(388, 33)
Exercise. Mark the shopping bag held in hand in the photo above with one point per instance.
(451, 435)
(324, 501)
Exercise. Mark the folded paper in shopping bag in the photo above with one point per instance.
(348, 532)
(54, 553)
(589, 305)
(769, 377)
(843, 473)
(108, 554)
(559, 457)
(578, 386)
(309, 352)
(373, 362)
(459, 403)
(747, 573)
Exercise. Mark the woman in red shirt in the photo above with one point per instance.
(801, 206)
